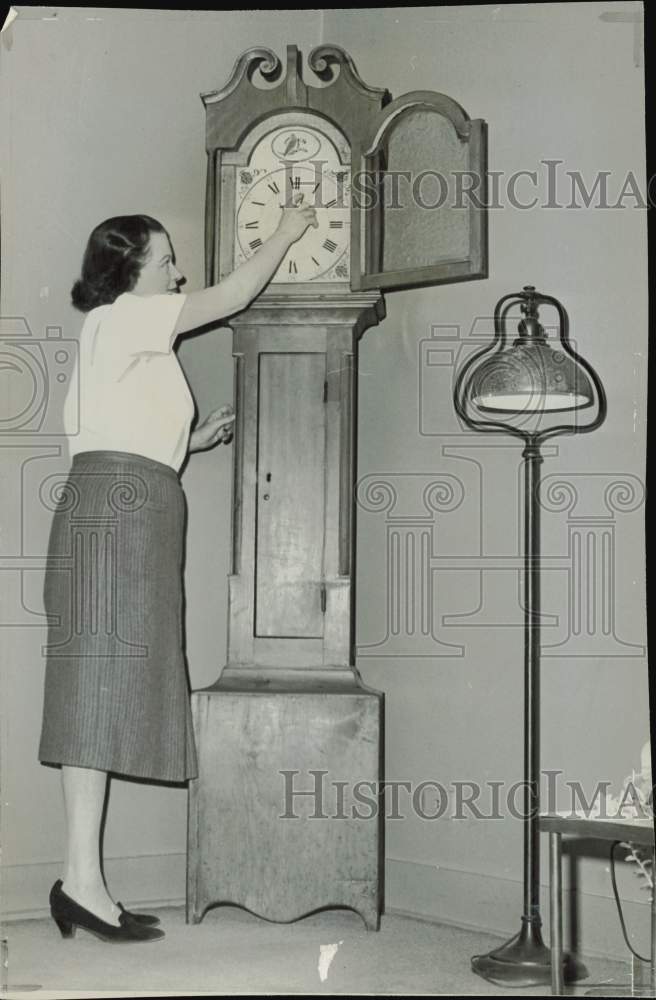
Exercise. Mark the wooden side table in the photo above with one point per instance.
(636, 831)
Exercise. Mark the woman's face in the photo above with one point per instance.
(158, 272)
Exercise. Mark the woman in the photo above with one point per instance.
(116, 695)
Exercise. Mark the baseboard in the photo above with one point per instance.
(493, 905)
(151, 880)
(468, 900)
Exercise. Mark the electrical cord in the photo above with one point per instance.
(616, 843)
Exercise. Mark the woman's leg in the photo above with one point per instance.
(84, 796)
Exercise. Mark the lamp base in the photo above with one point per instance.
(524, 960)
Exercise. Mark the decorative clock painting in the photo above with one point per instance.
(297, 164)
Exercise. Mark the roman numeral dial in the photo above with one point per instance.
(278, 173)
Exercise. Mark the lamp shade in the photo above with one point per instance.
(530, 377)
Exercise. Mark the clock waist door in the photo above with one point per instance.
(290, 498)
(290, 588)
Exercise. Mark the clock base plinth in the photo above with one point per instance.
(286, 816)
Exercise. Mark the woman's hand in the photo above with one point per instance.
(296, 219)
(216, 428)
(239, 289)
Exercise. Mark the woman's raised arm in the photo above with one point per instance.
(239, 289)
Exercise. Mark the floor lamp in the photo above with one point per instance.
(513, 390)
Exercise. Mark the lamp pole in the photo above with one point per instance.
(532, 462)
(528, 379)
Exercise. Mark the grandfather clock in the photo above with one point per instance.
(286, 815)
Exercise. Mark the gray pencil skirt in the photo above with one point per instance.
(116, 689)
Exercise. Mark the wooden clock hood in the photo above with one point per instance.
(424, 139)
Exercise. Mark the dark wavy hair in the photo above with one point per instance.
(113, 259)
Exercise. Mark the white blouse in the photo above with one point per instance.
(133, 395)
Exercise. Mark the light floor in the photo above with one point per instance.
(233, 952)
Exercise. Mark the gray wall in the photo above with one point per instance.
(553, 82)
(111, 123)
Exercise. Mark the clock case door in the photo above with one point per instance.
(419, 196)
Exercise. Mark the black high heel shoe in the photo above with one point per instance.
(69, 915)
(148, 919)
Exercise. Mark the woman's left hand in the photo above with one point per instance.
(217, 428)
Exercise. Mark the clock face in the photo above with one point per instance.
(284, 165)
